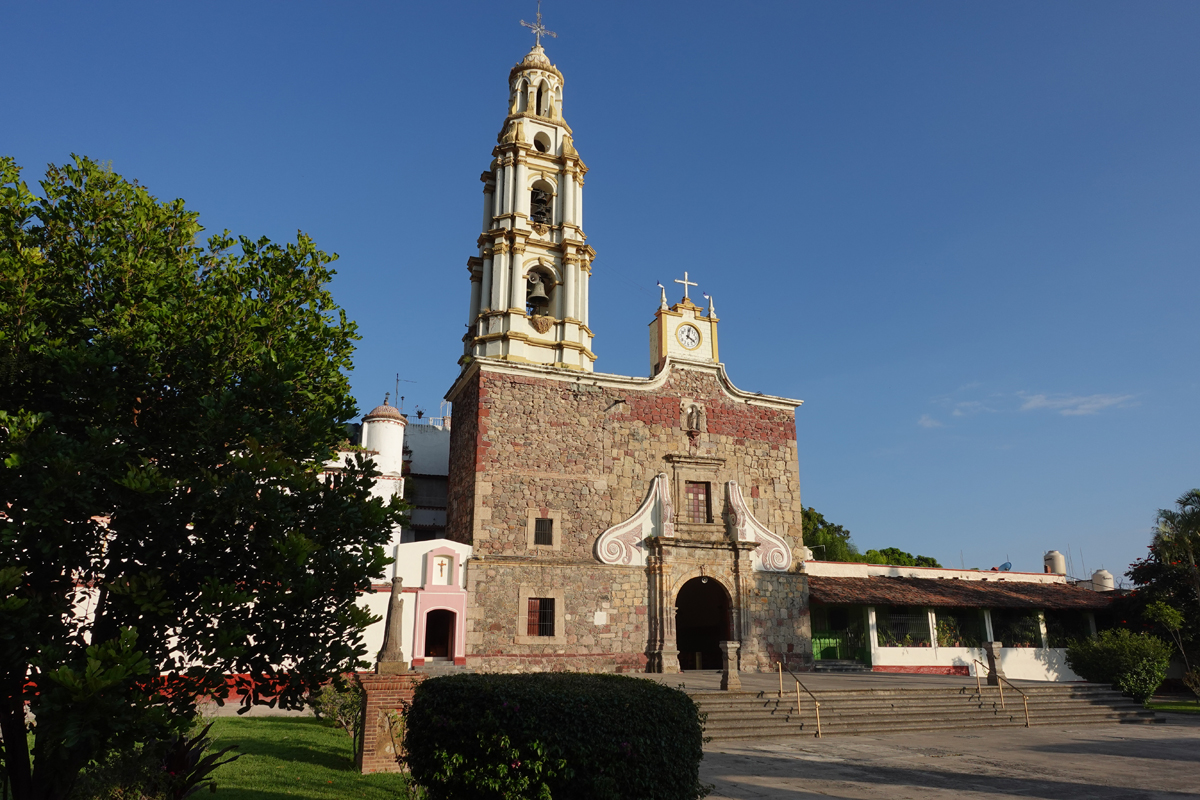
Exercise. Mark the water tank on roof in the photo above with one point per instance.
(1102, 581)
(1055, 562)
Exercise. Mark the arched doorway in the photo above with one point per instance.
(439, 634)
(701, 621)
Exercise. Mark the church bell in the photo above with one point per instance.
(537, 291)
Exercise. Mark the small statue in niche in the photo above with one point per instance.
(693, 417)
(693, 421)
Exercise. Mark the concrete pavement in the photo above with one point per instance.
(1091, 762)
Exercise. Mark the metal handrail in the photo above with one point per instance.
(1000, 681)
(799, 686)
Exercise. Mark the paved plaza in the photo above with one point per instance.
(1106, 761)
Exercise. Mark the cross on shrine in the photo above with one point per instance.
(686, 283)
(539, 30)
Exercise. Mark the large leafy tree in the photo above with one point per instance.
(1167, 581)
(166, 409)
(831, 542)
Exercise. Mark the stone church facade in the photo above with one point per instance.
(616, 523)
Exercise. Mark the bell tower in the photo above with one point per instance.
(529, 279)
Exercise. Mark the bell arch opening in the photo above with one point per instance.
(702, 621)
(439, 634)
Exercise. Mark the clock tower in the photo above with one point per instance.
(683, 332)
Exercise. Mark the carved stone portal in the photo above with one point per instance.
(773, 553)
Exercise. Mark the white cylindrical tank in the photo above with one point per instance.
(1102, 581)
(1055, 562)
(383, 432)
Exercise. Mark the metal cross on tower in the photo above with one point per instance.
(539, 30)
(686, 283)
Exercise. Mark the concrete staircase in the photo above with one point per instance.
(751, 715)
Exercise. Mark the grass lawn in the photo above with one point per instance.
(1185, 706)
(294, 757)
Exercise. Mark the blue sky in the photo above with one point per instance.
(966, 234)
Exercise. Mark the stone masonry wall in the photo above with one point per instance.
(603, 622)
(591, 453)
(585, 455)
(466, 437)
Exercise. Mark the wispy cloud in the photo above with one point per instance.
(967, 408)
(927, 421)
(1070, 405)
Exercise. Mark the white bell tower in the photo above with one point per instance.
(529, 280)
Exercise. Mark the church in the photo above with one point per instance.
(615, 522)
(598, 522)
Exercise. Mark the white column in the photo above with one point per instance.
(498, 195)
(933, 642)
(487, 209)
(579, 205)
(583, 295)
(520, 196)
(568, 197)
(987, 625)
(1042, 628)
(485, 292)
(872, 637)
(516, 283)
(499, 281)
(508, 182)
(474, 313)
(569, 270)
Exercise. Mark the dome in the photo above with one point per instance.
(385, 412)
(536, 59)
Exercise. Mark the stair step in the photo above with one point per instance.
(751, 715)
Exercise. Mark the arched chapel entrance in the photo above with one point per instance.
(439, 634)
(701, 621)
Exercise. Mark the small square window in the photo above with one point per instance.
(543, 532)
(541, 616)
(697, 507)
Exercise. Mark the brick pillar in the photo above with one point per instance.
(384, 693)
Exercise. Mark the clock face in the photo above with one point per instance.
(688, 336)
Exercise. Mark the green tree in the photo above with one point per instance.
(827, 540)
(831, 542)
(1178, 535)
(166, 409)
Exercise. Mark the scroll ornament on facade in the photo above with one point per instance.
(622, 543)
(773, 553)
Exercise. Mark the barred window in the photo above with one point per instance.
(543, 532)
(541, 616)
(902, 626)
(1016, 627)
(697, 507)
(960, 627)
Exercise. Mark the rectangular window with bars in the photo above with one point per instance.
(697, 506)
(541, 616)
(543, 532)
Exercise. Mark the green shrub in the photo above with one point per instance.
(562, 735)
(1143, 680)
(1118, 657)
(341, 704)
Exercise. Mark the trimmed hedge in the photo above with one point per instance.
(561, 735)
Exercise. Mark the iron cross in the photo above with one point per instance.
(539, 30)
(686, 283)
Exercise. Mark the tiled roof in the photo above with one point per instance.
(943, 592)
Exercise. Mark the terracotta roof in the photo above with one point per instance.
(943, 592)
